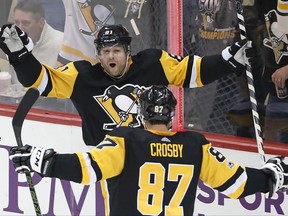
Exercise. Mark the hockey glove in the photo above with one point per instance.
(30, 158)
(239, 54)
(15, 43)
(279, 175)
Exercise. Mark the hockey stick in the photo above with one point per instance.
(25, 105)
(255, 115)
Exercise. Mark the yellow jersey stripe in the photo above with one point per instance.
(105, 193)
(39, 79)
(195, 80)
(198, 76)
(85, 169)
(235, 190)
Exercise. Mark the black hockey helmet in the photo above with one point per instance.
(110, 35)
(157, 105)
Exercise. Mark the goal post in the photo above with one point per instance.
(205, 28)
(175, 46)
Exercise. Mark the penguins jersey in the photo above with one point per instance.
(146, 172)
(275, 49)
(104, 103)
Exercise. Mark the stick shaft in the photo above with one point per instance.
(249, 75)
(25, 105)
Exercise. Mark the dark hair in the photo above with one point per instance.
(31, 6)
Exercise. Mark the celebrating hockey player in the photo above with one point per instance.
(153, 171)
(105, 94)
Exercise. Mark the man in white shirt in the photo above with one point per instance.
(29, 16)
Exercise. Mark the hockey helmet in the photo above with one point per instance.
(110, 35)
(157, 105)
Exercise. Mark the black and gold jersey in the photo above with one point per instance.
(275, 49)
(104, 103)
(146, 172)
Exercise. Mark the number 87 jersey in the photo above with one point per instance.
(146, 172)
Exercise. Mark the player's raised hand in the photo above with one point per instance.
(15, 43)
(239, 54)
(279, 174)
(30, 158)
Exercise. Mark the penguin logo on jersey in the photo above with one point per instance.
(134, 7)
(276, 26)
(120, 104)
(96, 16)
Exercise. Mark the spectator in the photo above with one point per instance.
(153, 171)
(105, 93)
(280, 77)
(29, 16)
(275, 14)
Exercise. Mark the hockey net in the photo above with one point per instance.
(207, 28)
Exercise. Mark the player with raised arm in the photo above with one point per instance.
(105, 94)
(153, 171)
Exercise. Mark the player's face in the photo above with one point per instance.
(113, 59)
(28, 23)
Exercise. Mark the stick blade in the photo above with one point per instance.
(25, 105)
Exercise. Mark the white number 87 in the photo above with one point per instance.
(158, 109)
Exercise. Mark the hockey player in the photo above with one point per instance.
(153, 171)
(105, 94)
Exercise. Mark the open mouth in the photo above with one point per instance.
(112, 65)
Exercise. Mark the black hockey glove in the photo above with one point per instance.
(30, 158)
(15, 43)
(279, 175)
(239, 54)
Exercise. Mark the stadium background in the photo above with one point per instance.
(182, 27)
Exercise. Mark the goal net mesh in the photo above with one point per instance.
(208, 27)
